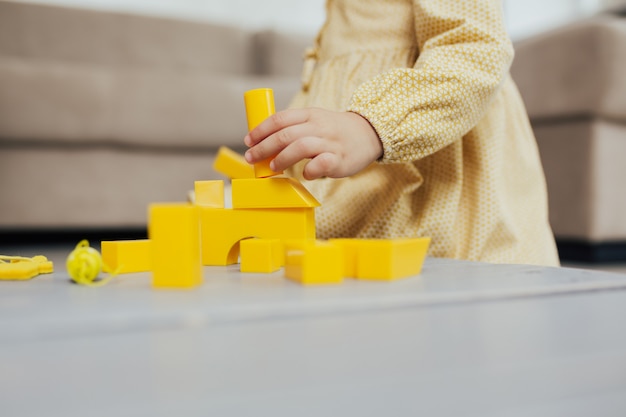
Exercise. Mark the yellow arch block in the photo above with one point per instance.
(222, 229)
(271, 193)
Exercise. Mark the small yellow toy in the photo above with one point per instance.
(231, 164)
(84, 264)
(313, 262)
(175, 238)
(126, 256)
(259, 106)
(22, 268)
(261, 255)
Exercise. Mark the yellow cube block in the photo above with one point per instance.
(312, 262)
(389, 259)
(231, 164)
(175, 234)
(125, 256)
(261, 255)
(209, 193)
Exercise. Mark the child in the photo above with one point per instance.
(408, 124)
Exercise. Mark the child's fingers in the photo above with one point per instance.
(323, 165)
(303, 148)
(276, 123)
(275, 143)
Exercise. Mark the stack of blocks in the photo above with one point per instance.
(271, 224)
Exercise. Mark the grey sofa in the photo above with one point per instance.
(573, 81)
(102, 113)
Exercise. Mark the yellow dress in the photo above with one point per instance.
(460, 161)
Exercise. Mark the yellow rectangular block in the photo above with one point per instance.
(389, 259)
(271, 193)
(209, 193)
(261, 255)
(126, 256)
(259, 106)
(223, 229)
(231, 164)
(175, 234)
(311, 262)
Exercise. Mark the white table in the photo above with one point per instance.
(461, 339)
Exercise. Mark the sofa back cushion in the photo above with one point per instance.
(54, 33)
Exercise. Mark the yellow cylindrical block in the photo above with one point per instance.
(259, 106)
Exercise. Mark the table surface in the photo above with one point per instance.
(460, 339)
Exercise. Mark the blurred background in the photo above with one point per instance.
(523, 17)
(108, 105)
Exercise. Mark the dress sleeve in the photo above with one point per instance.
(464, 54)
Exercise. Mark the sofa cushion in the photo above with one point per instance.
(109, 39)
(94, 187)
(586, 177)
(89, 77)
(68, 103)
(575, 70)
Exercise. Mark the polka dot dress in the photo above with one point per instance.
(460, 161)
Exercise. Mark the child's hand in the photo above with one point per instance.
(339, 144)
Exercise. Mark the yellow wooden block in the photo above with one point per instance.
(313, 262)
(261, 255)
(271, 193)
(209, 193)
(223, 229)
(389, 259)
(231, 164)
(174, 232)
(125, 256)
(259, 106)
(22, 268)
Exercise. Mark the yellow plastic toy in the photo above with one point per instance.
(259, 106)
(223, 229)
(209, 193)
(261, 255)
(271, 193)
(390, 259)
(231, 164)
(174, 232)
(22, 268)
(126, 256)
(311, 262)
(84, 264)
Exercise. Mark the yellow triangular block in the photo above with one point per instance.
(271, 193)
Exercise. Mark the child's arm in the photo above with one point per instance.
(411, 112)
